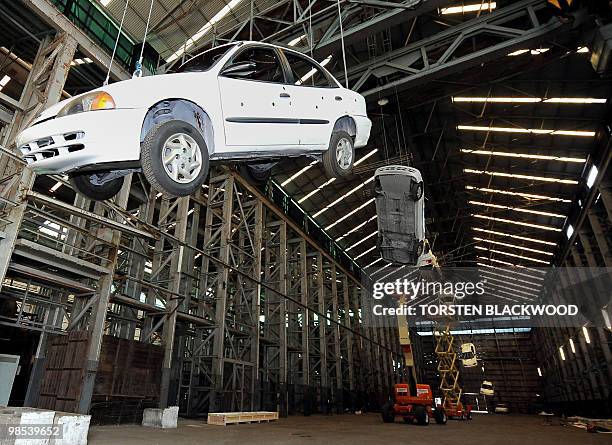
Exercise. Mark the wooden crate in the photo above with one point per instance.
(241, 417)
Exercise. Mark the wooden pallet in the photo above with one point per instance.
(241, 417)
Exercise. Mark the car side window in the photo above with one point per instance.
(307, 73)
(266, 66)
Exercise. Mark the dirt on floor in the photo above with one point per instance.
(354, 430)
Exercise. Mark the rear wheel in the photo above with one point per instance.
(97, 186)
(416, 190)
(339, 158)
(440, 416)
(174, 158)
(420, 414)
(388, 416)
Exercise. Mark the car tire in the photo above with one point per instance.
(388, 416)
(421, 416)
(83, 185)
(166, 149)
(440, 417)
(256, 176)
(339, 158)
(416, 190)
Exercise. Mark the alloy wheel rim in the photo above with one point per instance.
(182, 158)
(344, 154)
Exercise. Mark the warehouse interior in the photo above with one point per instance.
(247, 296)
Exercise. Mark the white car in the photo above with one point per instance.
(245, 101)
(486, 388)
(401, 215)
(468, 355)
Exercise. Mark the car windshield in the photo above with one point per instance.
(204, 61)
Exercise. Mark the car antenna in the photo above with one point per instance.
(110, 65)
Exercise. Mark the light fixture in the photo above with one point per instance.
(521, 194)
(517, 209)
(582, 133)
(533, 52)
(351, 213)
(572, 347)
(354, 229)
(530, 100)
(483, 6)
(585, 332)
(592, 176)
(296, 175)
(518, 223)
(204, 29)
(561, 353)
(371, 153)
(57, 185)
(523, 155)
(361, 241)
(296, 40)
(318, 189)
(383, 101)
(499, 243)
(509, 235)
(582, 49)
(6, 79)
(501, 252)
(341, 198)
(539, 372)
(569, 231)
(518, 176)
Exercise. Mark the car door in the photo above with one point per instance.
(317, 99)
(254, 100)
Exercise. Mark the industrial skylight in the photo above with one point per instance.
(501, 252)
(580, 133)
(81, 61)
(506, 263)
(310, 73)
(530, 100)
(372, 263)
(105, 3)
(354, 229)
(514, 246)
(592, 176)
(361, 241)
(523, 155)
(296, 40)
(351, 213)
(518, 209)
(365, 253)
(534, 52)
(518, 176)
(521, 194)
(518, 223)
(296, 175)
(365, 157)
(350, 192)
(204, 29)
(318, 189)
(509, 235)
(482, 6)
(6, 79)
(513, 275)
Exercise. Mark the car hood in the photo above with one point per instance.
(137, 93)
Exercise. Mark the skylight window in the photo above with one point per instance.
(372, 263)
(569, 231)
(501, 252)
(494, 260)
(310, 73)
(296, 175)
(523, 155)
(509, 235)
(354, 229)
(105, 3)
(365, 253)
(580, 133)
(361, 241)
(518, 176)
(518, 209)
(351, 213)
(521, 194)
(204, 29)
(318, 189)
(350, 192)
(529, 100)
(366, 157)
(533, 52)
(514, 246)
(296, 40)
(518, 223)
(592, 176)
(6, 79)
(483, 6)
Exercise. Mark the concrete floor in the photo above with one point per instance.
(353, 430)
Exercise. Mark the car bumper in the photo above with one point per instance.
(364, 125)
(68, 143)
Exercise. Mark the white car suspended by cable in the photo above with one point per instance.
(247, 101)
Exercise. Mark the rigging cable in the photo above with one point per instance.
(343, 48)
(138, 72)
(110, 65)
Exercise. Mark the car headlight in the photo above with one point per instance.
(98, 100)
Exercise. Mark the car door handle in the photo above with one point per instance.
(284, 95)
(338, 98)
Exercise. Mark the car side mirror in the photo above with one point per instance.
(241, 69)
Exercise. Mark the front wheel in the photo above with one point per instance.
(97, 186)
(174, 158)
(440, 416)
(388, 416)
(421, 416)
(339, 158)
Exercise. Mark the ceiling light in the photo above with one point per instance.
(569, 231)
(529, 100)
(518, 223)
(365, 157)
(523, 155)
(318, 189)
(501, 252)
(354, 229)
(518, 52)
(497, 261)
(499, 243)
(585, 332)
(6, 79)
(561, 353)
(483, 6)
(361, 241)
(575, 100)
(372, 263)
(592, 176)
(524, 238)
(364, 253)
(538, 51)
(505, 289)
(517, 209)
(582, 133)
(582, 49)
(295, 175)
(341, 198)
(522, 195)
(57, 185)
(351, 213)
(572, 347)
(296, 40)
(517, 176)
(539, 372)
(513, 278)
(204, 29)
